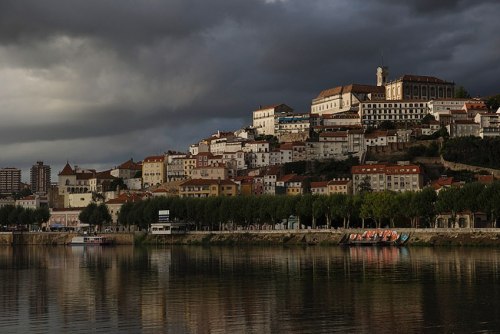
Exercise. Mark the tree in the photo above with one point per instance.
(41, 215)
(493, 102)
(423, 205)
(116, 184)
(470, 195)
(123, 214)
(448, 200)
(5, 212)
(427, 119)
(94, 214)
(85, 214)
(101, 216)
(387, 125)
(364, 186)
(304, 208)
(461, 93)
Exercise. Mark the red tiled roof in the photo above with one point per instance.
(67, 170)
(207, 182)
(485, 179)
(84, 176)
(287, 177)
(422, 78)
(130, 164)
(352, 88)
(338, 182)
(386, 169)
(334, 134)
(126, 198)
(476, 106)
(105, 175)
(155, 158)
(320, 184)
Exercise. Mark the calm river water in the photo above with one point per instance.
(249, 290)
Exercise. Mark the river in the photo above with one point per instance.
(191, 289)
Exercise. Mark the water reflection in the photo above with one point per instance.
(265, 290)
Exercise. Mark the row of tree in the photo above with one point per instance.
(17, 215)
(408, 209)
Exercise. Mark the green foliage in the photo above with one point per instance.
(417, 209)
(118, 182)
(272, 140)
(423, 151)
(387, 125)
(297, 167)
(461, 93)
(473, 151)
(427, 119)
(17, 215)
(23, 193)
(493, 102)
(94, 214)
(364, 186)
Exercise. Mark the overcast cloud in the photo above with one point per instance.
(97, 82)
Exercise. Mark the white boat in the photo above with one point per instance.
(90, 240)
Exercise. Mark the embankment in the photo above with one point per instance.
(419, 237)
(55, 238)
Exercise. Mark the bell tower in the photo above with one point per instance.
(382, 73)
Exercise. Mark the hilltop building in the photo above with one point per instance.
(264, 118)
(345, 98)
(419, 87)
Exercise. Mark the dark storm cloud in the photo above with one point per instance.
(146, 76)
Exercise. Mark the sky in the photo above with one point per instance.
(98, 82)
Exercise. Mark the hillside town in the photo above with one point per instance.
(277, 153)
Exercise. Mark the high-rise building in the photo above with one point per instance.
(40, 178)
(10, 180)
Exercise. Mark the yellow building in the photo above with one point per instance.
(207, 188)
(340, 186)
(189, 164)
(153, 171)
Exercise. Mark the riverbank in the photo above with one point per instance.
(418, 237)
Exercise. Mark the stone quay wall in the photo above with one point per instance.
(320, 237)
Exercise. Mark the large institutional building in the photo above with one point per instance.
(418, 87)
(345, 98)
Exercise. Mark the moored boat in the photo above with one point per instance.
(376, 238)
(90, 240)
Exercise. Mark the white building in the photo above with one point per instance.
(396, 177)
(336, 145)
(373, 113)
(345, 98)
(33, 202)
(257, 153)
(341, 119)
(235, 160)
(264, 118)
(438, 106)
(463, 128)
(291, 124)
